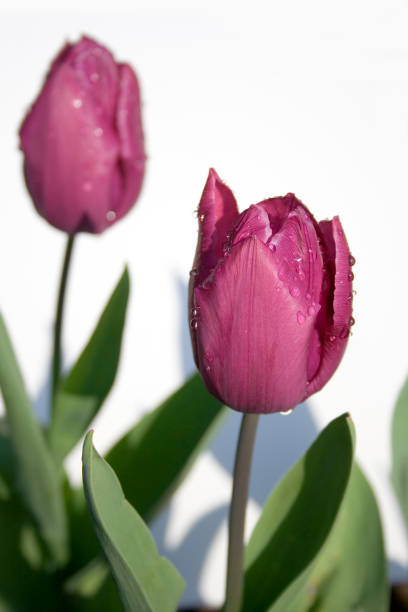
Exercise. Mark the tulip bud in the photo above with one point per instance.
(83, 141)
(270, 300)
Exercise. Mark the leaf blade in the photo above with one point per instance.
(290, 532)
(37, 476)
(399, 437)
(350, 572)
(146, 581)
(167, 440)
(84, 390)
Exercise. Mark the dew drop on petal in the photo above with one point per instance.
(77, 102)
(332, 338)
(308, 297)
(272, 247)
(345, 332)
(110, 215)
(352, 260)
(294, 291)
(193, 272)
(201, 217)
(350, 276)
(193, 324)
(94, 77)
(311, 310)
(352, 321)
(286, 412)
(300, 317)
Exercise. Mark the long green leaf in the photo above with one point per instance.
(166, 441)
(400, 449)
(350, 571)
(36, 474)
(298, 517)
(83, 391)
(146, 581)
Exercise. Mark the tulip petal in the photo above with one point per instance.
(334, 320)
(68, 138)
(132, 158)
(217, 212)
(241, 361)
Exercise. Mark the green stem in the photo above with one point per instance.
(242, 470)
(56, 362)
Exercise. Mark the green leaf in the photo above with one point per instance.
(166, 441)
(23, 586)
(34, 468)
(400, 449)
(298, 517)
(83, 391)
(146, 581)
(350, 571)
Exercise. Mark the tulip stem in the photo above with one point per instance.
(56, 363)
(239, 499)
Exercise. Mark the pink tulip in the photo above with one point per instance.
(270, 300)
(83, 140)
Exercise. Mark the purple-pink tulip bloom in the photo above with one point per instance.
(83, 140)
(270, 300)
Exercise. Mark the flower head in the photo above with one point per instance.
(270, 300)
(83, 142)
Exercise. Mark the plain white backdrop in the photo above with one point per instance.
(278, 96)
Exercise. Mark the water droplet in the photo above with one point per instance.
(209, 357)
(110, 215)
(344, 333)
(350, 276)
(98, 131)
(278, 288)
(286, 412)
(352, 321)
(193, 272)
(195, 312)
(193, 324)
(301, 275)
(332, 338)
(308, 297)
(298, 259)
(272, 247)
(294, 291)
(208, 368)
(201, 217)
(300, 317)
(311, 310)
(77, 102)
(352, 260)
(350, 297)
(94, 77)
(281, 275)
(87, 186)
(354, 292)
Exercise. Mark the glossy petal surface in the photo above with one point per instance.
(241, 361)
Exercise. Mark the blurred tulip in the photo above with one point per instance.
(270, 300)
(83, 140)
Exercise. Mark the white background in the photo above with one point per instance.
(278, 96)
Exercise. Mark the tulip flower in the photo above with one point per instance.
(270, 300)
(83, 141)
